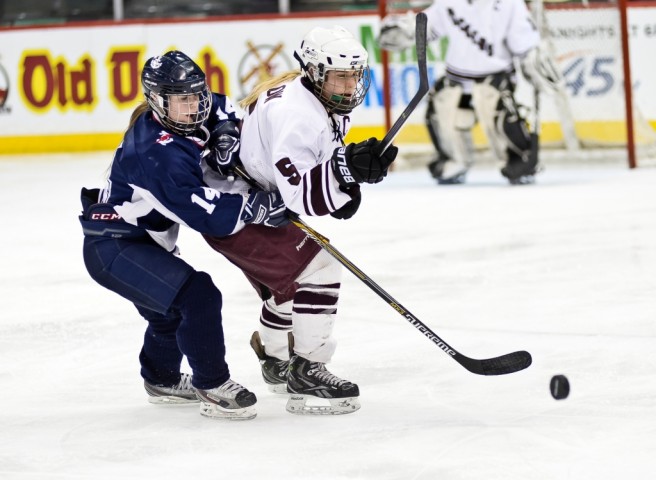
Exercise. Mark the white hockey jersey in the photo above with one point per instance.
(287, 141)
(484, 35)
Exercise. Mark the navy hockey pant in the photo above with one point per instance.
(181, 305)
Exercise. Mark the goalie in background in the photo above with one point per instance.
(485, 39)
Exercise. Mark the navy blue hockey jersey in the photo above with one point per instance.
(156, 181)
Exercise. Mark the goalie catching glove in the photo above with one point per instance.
(359, 163)
(224, 149)
(397, 32)
(265, 208)
(539, 69)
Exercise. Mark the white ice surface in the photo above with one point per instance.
(565, 269)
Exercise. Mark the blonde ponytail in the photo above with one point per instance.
(279, 79)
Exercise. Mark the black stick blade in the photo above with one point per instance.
(509, 363)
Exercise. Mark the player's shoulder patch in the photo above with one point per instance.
(164, 137)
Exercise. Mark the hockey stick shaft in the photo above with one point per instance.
(538, 12)
(420, 45)
(535, 129)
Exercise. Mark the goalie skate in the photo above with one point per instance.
(520, 173)
(442, 171)
(274, 370)
(228, 401)
(180, 394)
(315, 391)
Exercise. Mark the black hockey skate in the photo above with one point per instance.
(310, 380)
(274, 370)
(229, 401)
(179, 394)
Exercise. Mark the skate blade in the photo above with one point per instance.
(525, 180)
(277, 388)
(172, 401)
(211, 410)
(297, 404)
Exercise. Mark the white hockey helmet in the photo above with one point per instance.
(334, 49)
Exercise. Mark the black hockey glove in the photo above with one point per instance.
(265, 208)
(358, 163)
(224, 149)
(348, 209)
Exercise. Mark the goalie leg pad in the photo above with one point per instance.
(450, 119)
(432, 121)
(497, 111)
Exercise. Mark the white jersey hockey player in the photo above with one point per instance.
(292, 140)
(485, 36)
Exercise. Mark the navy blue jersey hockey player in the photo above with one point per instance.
(155, 184)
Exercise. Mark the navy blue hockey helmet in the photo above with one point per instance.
(174, 73)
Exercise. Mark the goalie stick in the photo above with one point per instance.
(509, 363)
(535, 130)
(420, 45)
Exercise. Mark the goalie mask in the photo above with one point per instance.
(335, 64)
(175, 89)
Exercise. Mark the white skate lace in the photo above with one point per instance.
(185, 383)
(282, 367)
(325, 376)
(229, 389)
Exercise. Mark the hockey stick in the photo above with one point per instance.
(420, 45)
(535, 130)
(508, 363)
(560, 96)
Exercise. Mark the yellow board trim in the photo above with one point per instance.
(608, 133)
(82, 142)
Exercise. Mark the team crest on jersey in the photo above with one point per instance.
(164, 138)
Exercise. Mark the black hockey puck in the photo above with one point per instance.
(559, 387)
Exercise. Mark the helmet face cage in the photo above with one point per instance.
(327, 86)
(175, 89)
(331, 59)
